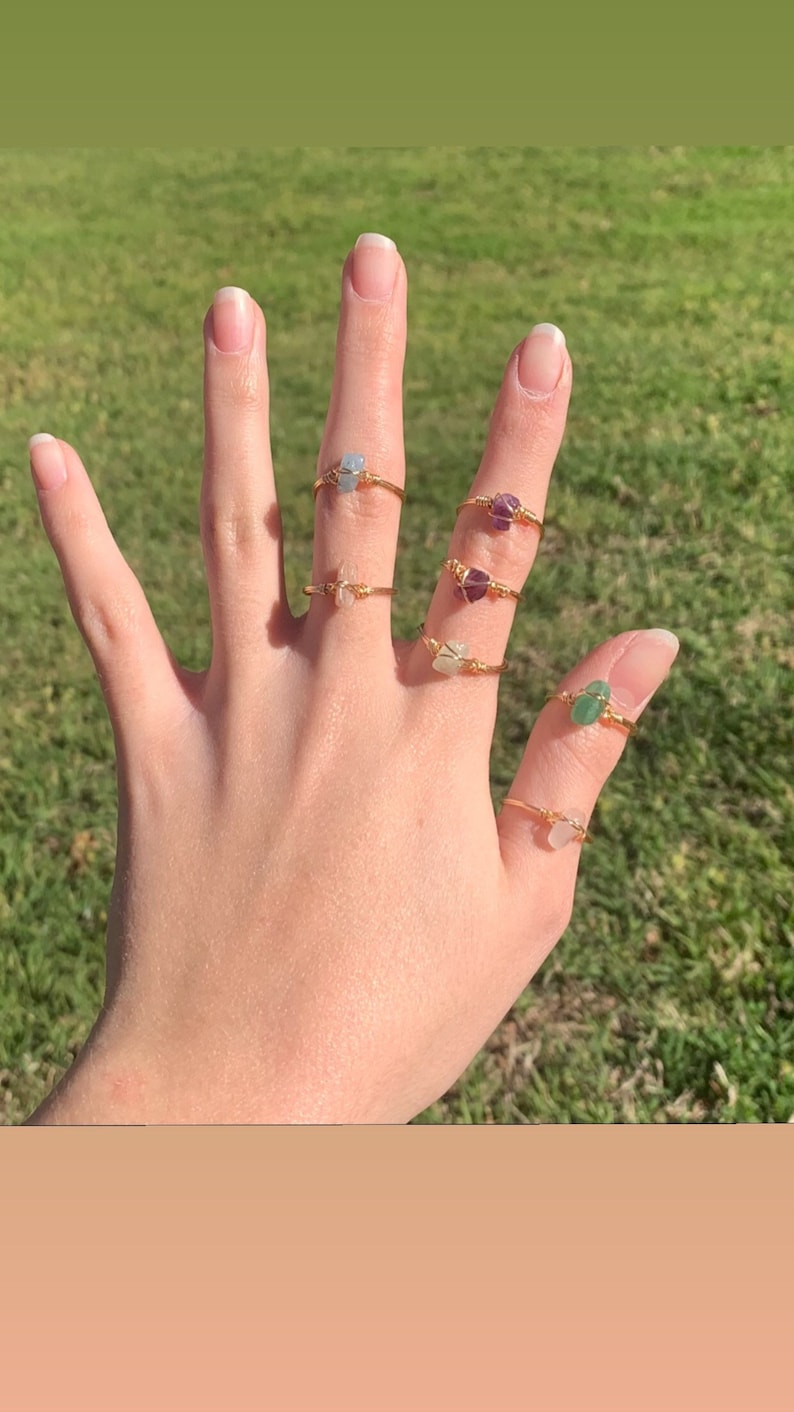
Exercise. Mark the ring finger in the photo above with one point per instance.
(468, 610)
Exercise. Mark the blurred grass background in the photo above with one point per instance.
(671, 996)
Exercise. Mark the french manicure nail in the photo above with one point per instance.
(541, 358)
(232, 320)
(374, 266)
(47, 461)
(642, 668)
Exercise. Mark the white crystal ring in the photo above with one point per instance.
(350, 473)
(563, 828)
(449, 658)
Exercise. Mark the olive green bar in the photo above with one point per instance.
(263, 122)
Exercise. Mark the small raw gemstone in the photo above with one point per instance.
(450, 659)
(560, 834)
(350, 468)
(473, 586)
(563, 832)
(348, 573)
(587, 709)
(503, 510)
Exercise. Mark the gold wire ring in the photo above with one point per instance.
(552, 817)
(359, 590)
(508, 510)
(598, 693)
(349, 474)
(449, 658)
(483, 584)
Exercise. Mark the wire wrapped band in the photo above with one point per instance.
(504, 510)
(592, 704)
(473, 584)
(349, 474)
(359, 590)
(450, 658)
(553, 817)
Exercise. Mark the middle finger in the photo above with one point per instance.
(356, 530)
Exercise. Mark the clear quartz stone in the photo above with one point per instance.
(450, 658)
(348, 573)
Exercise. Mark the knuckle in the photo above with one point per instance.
(108, 622)
(371, 335)
(507, 555)
(586, 760)
(241, 389)
(231, 531)
(79, 523)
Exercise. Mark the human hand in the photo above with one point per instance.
(315, 915)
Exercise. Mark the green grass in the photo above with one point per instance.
(671, 996)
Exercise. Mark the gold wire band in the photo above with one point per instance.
(331, 477)
(471, 665)
(361, 590)
(552, 816)
(458, 571)
(608, 716)
(521, 515)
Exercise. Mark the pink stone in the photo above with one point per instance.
(562, 832)
(347, 573)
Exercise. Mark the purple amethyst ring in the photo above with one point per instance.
(473, 584)
(504, 510)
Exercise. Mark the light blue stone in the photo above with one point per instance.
(350, 468)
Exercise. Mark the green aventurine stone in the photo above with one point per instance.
(588, 708)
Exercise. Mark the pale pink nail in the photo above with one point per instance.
(46, 461)
(232, 320)
(541, 359)
(642, 668)
(375, 261)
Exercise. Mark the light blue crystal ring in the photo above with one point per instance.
(350, 473)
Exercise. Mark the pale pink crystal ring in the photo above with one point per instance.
(563, 828)
(346, 588)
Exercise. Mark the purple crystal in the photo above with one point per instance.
(473, 585)
(503, 510)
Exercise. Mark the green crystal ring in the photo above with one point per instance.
(592, 704)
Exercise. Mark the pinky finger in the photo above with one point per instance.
(136, 670)
(565, 767)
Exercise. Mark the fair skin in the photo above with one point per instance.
(316, 916)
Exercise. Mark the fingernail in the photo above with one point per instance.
(642, 668)
(541, 358)
(232, 320)
(375, 262)
(46, 461)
